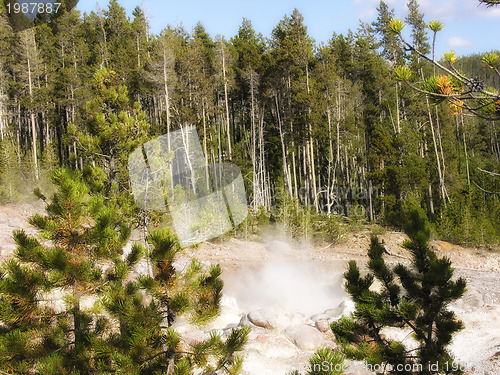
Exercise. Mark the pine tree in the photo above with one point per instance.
(389, 43)
(120, 39)
(415, 298)
(292, 53)
(69, 303)
(461, 91)
(112, 129)
(490, 3)
(45, 286)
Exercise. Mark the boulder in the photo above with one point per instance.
(244, 321)
(195, 336)
(260, 319)
(305, 337)
(272, 318)
(322, 325)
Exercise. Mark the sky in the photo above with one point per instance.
(468, 27)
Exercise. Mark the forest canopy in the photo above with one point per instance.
(326, 125)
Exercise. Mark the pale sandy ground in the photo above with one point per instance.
(249, 268)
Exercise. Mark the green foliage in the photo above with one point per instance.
(436, 25)
(413, 297)
(450, 57)
(17, 177)
(295, 219)
(69, 302)
(490, 3)
(112, 128)
(328, 228)
(396, 25)
(254, 224)
(470, 221)
(402, 73)
(490, 59)
(324, 362)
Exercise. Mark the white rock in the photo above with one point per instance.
(305, 337)
(322, 325)
(275, 318)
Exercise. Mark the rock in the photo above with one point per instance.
(259, 318)
(305, 337)
(244, 321)
(195, 336)
(271, 318)
(272, 345)
(322, 325)
(376, 286)
(475, 298)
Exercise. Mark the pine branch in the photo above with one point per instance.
(484, 190)
(490, 173)
(490, 3)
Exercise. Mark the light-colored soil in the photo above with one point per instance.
(14, 217)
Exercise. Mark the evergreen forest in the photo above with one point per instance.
(323, 129)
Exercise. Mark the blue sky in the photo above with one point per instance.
(469, 27)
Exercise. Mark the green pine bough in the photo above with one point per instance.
(70, 303)
(414, 298)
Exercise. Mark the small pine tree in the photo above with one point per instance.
(413, 297)
(44, 286)
(69, 303)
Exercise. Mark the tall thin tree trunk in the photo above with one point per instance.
(32, 114)
(438, 130)
(286, 170)
(331, 172)
(104, 61)
(465, 150)
(312, 166)
(397, 109)
(254, 144)
(165, 93)
(207, 175)
(228, 132)
(434, 141)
